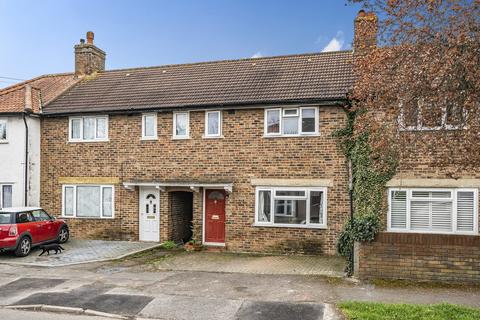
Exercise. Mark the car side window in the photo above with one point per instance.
(40, 215)
(24, 217)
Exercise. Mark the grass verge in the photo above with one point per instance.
(382, 311)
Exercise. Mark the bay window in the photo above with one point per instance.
(291, 121)
(433, 210)
(88, 129)
(88, 201)
(291, 207)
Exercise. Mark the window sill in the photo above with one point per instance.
(149, 138)
(181, 138)
(88, 141)
(474, 233)
(291, 136)
(213, 137)
(3, 141)
(289, 226)
(88, 218)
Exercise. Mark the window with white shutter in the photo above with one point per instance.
(433, 210)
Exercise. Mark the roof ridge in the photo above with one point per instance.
(19, 85)
(226, 60)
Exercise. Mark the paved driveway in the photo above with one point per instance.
(80, 251)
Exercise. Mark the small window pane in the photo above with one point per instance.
(420, 215)
(107, 202)
(290, 125)
(68, 201)
(264, 202)
(213, 123)
(441, 216)
(181, 124)
(273, 121)
(316, 207)
(298, 212)
(149, 125)
(216, 195)
(308, 120)
(101, 128)
(76, 128)
(290, 193)
(398, 211)
(7, 196)
(88, 201)
(465, 211)
(290, 112)
(3, 130)
(455, 115)
(88, 128)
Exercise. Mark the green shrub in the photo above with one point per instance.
(169, 245)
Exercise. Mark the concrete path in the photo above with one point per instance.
(256, 264)
(80, 251)
(134, 287)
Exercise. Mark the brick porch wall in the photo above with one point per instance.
(425, 257)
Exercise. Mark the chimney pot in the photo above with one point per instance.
(361, 13)
(82, 41)
(90, 36)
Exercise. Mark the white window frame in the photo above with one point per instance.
(144, 117)
(81, 139)
(273, 197)
(298, 114)
(453, 198)
(419, 125)
(187, 131)
(220, 120)
(1, 192)
(74, 186)
(6, 131)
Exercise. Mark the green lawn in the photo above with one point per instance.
(381, 311)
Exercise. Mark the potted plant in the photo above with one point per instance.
(193, 245)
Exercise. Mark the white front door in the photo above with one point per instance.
(149, 214)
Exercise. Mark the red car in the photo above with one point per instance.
(21, 229)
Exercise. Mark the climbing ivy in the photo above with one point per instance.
(368, 187)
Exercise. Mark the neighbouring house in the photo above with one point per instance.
(20, 106)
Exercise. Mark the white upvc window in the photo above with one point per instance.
(181, 125)
(291, 121)
(88, 201)
(88, 129)
(296, 207)
(3, 131)
(213, 124)
(149, 126)
(6, 193)
(421, 210)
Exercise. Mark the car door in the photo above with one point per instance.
(45, 225)
(27, 224)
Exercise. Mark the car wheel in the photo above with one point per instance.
(63, 235)
(24, 247)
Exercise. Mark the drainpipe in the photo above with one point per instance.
(27, 111)
(350, 191)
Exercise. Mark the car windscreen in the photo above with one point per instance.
(6, 218)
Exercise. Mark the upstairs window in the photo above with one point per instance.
(88, 129)
(3, 131)
(291, 207)
(181, 125)
(213, 124)
(149, 126)
(433, 210)
(416, 115)
(291, 121)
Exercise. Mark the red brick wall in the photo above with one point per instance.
(243, 154)
(410, 256)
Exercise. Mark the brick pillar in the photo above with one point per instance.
(198, 214)
(165, 217)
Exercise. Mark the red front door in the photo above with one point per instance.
(215, 216)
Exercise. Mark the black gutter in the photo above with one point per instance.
(132, 110)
